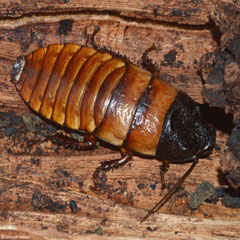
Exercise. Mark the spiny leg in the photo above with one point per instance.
(163, 170)
(147, 63)
(91, 37)
(170, 192)
(104, 49)
(94, 45)
(89, 142)
(113, 164)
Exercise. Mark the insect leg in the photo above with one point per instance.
(163, 170)
(91, 37)
(89, 142)
(171, 191)
(94, 45)
(147, 63)
(113, 164)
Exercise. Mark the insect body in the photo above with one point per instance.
(116, 101)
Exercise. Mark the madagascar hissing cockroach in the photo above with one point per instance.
(104, 96)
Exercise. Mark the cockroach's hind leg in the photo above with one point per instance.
(163, 169)
(147, 63)
(148, 50)
(170, 192)
(92, 38)
(86, 41)
(126, 156)
(103, 49)
(89, 142)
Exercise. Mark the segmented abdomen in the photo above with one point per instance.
(95, 92)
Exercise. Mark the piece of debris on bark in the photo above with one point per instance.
(220, 72)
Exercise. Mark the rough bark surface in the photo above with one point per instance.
(38, 180)
(221, 73)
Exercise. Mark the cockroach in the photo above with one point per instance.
(106, 97)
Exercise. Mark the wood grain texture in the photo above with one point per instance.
(175, 11)
(31, 163)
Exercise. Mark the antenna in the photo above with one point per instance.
(170, 192)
